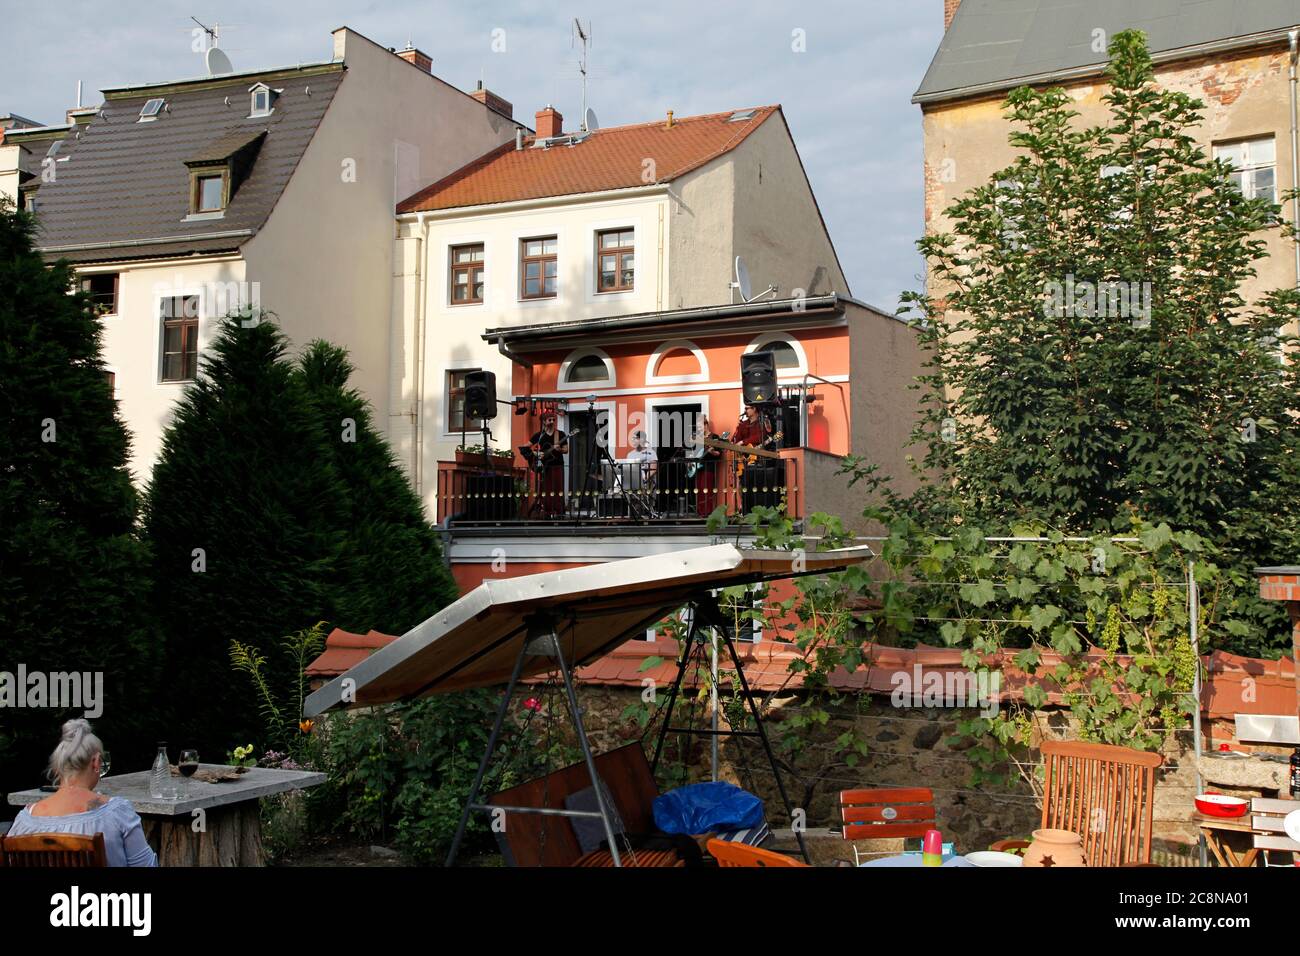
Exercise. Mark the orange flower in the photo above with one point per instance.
(306, 725)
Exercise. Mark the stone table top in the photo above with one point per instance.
(1247, 772)
(257, 782)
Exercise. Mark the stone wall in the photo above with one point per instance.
(909, 747)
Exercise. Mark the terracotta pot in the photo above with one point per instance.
(1055, 848)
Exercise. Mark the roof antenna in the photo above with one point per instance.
(584, 37)
(213, 32)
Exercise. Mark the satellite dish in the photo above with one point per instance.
(217, 61)
(589, 121)
(742, 280)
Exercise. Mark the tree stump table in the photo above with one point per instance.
(215, 824)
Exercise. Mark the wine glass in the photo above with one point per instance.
(187, 765)
(105, 762)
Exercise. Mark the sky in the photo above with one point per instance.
(843, 71)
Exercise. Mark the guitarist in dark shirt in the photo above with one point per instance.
(549, 446)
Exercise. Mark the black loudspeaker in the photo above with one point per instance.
(480, 395)
(758, 378)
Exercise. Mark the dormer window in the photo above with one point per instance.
(261, 100)
(217, 172)
(151, 109)
(209, 191)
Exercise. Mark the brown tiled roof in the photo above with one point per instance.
(613, 158)
(127, 181)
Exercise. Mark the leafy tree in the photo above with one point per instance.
(247, 519)
(73, 572)
(391, 575)
(1091, 356)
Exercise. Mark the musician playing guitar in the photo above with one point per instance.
(703, 466)
(758, 477)
(754, 430)
(548, 446)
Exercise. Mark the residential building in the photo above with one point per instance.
(1236, 56)
(589, 224)
(178, 202)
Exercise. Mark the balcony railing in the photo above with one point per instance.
(616, 492)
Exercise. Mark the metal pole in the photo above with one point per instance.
(1193, 613)
(713, 669)
(487, 754)
(672, 693)
(767, 747)
(596, 786)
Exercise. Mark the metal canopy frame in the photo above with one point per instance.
(468, 644)
(543, 640)
(705, 609)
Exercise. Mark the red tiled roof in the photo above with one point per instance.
(766, 668)
(613, 158)
(344, 650)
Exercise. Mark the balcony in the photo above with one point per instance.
(474, 492)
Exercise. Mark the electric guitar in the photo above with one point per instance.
(749, 454)
(696, 453)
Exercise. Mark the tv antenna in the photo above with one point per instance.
(744, 286)
(213, 32)
(583, 37)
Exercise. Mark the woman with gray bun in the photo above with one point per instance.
(76, 808)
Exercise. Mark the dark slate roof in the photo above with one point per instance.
(125, 192)
(995, 45)
(34, 145)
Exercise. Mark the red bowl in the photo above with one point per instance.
(1221, 805)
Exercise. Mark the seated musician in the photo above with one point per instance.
(643, 455)
(549, 446)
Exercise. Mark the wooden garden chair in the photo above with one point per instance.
(58, 850)
(1101, 792)
(886, 813)
(738, 854)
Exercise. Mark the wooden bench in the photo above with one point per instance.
(532, 839)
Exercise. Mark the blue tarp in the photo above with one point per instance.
(707, 808)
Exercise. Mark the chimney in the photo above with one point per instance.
(549, 123)
(416, 58)
(949, 11)
(494, 102)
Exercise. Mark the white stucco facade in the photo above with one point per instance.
(322, 262)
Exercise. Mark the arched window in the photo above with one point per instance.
(791, 360)
(677, 362)
(586, 367)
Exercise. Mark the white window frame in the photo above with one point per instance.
(444, 402)
(651, 426)
(672, 346)
(563, 384)
(150, 117)
(1249, 168)
(788, 374)
(177, 293)
(256, 90)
